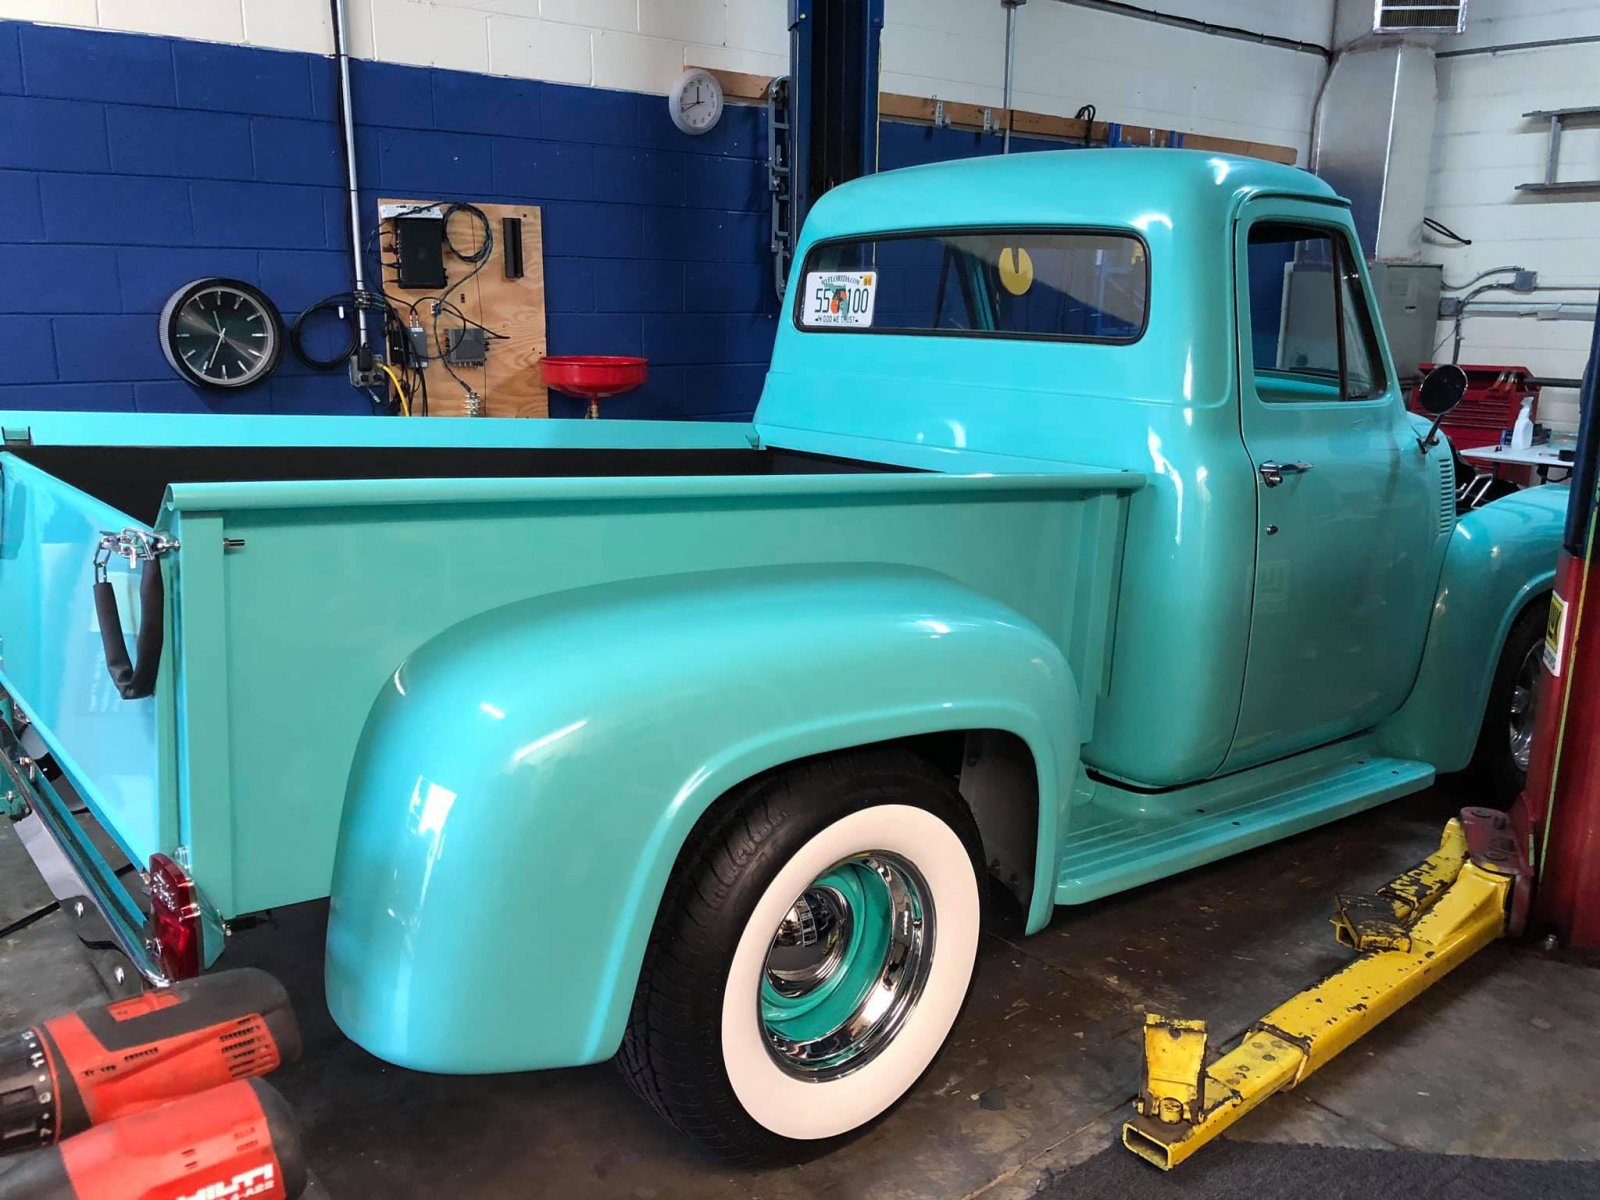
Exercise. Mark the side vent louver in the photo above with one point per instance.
(1419, 16)
(1447, 495)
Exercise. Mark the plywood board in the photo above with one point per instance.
(510, 382)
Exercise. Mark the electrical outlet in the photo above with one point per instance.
(370, 378)
(387, 212)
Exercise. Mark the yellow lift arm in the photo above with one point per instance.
(1411, 933)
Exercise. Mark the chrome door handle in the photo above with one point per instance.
(1272, 473)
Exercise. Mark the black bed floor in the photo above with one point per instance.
(1485, 1086)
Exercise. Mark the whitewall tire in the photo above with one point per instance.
(814, 950)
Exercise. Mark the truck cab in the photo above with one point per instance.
(1080, 537)
(1282, 557)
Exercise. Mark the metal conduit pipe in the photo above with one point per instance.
(1198, 26)
(1544, 44)
(1011, 7)
(347, 128)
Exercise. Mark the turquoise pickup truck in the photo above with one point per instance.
(1081, 536)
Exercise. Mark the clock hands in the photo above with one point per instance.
(242, 334)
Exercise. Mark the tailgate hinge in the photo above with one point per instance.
(135, 545)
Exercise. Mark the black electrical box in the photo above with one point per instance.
(511, 228)
(419, 249)
(466, 347)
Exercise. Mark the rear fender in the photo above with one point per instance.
(527, 779)
(1502, 557)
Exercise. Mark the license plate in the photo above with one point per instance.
(839, 299)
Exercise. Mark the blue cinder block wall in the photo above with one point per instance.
(130, 165)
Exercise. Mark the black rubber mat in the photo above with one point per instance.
(1228, 1170)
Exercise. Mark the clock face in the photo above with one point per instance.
(696, 102)
(221, 333)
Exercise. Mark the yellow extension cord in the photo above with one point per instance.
(405, 401)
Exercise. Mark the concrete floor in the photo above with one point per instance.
(1495, 1062)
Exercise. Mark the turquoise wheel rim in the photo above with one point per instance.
(847, 965)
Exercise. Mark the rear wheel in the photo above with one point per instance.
(1505, 741)
(811, 955)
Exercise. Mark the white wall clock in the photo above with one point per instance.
(696, 102)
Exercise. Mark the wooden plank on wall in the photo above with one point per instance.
(509, 383)
(739, 85)
(896, 106)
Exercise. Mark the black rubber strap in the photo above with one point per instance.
(135, 679)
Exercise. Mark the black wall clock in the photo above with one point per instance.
(221, 333)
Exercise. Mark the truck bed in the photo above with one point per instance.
(305, 575)
(133, 480)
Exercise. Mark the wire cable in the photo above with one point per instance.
(1444, 230)
(1478, 278)
(344, 304)
(479, 257)
(405, 401)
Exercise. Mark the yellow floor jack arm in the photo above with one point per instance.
(1411, 933)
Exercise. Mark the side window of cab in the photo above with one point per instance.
(1311, 333)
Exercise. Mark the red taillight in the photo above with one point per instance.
(174, 925)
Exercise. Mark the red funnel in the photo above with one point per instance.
(595, 377)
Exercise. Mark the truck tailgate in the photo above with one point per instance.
(52, 661)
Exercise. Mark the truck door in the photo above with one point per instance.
(1347, 506)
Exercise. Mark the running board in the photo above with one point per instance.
(1118, 839)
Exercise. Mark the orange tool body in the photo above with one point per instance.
(99, 1064)
(234, 1142)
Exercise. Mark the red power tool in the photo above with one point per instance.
(99, 1064)
(234, 1142)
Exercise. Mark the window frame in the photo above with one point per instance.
(1345, 265)
(1132, 235)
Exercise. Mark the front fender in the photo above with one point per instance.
(1501, 557)
(526, 781)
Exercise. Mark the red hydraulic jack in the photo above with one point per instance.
(1535, 868)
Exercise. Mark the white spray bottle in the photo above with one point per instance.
(1522, 431)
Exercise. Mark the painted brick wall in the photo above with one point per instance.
(1483, 148)
(134, 164)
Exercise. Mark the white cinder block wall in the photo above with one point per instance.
(1132, 71)
(1483, 148)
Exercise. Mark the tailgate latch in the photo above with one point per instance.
(135, 545)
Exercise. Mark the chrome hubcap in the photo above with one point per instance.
(847, 965)
(1524, 708)
(811, 942)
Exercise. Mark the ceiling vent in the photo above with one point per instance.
(1418, 16)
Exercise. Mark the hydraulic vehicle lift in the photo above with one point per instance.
(1495, 874)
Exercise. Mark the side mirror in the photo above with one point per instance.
(1441, 390)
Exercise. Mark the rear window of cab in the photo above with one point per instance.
(1049, 284)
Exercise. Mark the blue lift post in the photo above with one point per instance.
(834, 59)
